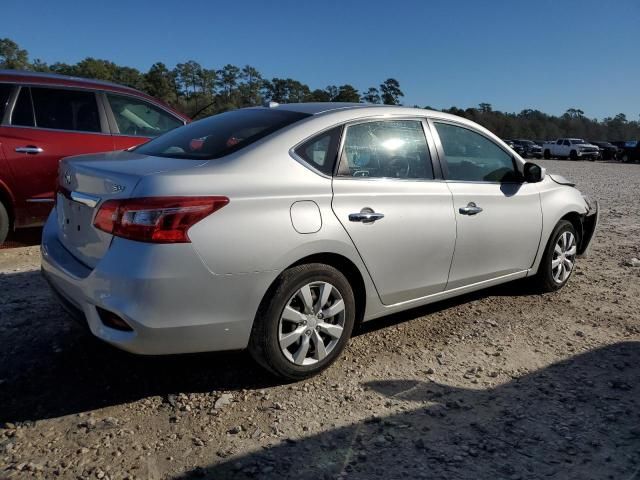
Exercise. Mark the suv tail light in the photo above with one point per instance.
(155, 219)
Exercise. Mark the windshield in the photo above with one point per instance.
(219, 135)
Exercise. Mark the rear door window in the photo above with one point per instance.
(136, 117)
(65, 109)
(22, 114)
(386, 149)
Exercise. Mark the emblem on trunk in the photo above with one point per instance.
(67, 177)
(113, 187)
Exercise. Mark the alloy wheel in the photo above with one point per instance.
(564, 257)
(311, 323)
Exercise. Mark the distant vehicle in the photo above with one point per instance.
(529, 148)
(573, 148)
(516, 147)
(629, 151)
(290, 224)
(45, 117)
(608, 151)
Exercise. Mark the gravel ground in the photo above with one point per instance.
(499, 384)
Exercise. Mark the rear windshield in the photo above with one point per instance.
(219, 135)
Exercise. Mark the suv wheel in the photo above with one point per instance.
(573, 155)
(559, 258)
(4, 223)
(304, 323)
(547, 154)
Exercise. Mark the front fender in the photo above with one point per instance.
(557, 202)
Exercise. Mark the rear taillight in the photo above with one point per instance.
(155, 219)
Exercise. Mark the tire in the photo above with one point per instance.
(4, 223)
(547, 278)
(547, 155)
(293, 362)
(573, 155)
(625, 158)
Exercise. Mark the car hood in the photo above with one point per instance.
(561, 180)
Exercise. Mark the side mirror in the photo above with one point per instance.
(532, 172)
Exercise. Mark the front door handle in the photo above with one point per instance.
(470, 209)
(30, 149)
(366, 215)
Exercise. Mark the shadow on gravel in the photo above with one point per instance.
(577, 419)
(22, 238)
(50, 366)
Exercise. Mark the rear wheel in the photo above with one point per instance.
(4, 223)
(559, 258)
(547, 154)
(304, 323)
(573, 155)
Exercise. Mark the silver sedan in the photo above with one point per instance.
(279, 228)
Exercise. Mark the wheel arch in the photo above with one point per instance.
(344, 266)
(7, 199)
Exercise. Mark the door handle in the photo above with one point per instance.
(30, 149)
(470, 209)
(366, 215)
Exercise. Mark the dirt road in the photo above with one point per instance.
(503, 383)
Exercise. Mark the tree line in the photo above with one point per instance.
(199, 91)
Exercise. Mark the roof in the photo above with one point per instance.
(26, 75)
(315, 108)
(45, 78)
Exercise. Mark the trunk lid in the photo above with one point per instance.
(86, 181)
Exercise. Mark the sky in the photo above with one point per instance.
(549, 55)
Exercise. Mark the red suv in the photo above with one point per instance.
(44, 117)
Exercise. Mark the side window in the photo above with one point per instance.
(470, 156)
(567, 143)
(320, 152)
(139, 118)
(63, 109)
(559, 142)
(23, 109)
(390, 148)
(5, 93)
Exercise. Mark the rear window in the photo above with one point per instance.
(219, 135)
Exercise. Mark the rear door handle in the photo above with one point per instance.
(366, 215)
(30, 149)
(470, 209)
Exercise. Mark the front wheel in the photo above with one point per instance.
(304, 323)
(547, 154)
(573, 155)
(559, 258)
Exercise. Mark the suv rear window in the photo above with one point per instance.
(220, 135)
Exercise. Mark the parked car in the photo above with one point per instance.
(44, 117)
(529, 149)
(573, 148)
(629, 151)
(288, 225)
(608, 151)
(516, 147)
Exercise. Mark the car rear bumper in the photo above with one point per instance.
(165, 293)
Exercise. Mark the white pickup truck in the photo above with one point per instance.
(573, 148)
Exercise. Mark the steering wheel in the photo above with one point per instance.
(398, 167)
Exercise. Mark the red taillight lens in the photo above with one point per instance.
(155, 219)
